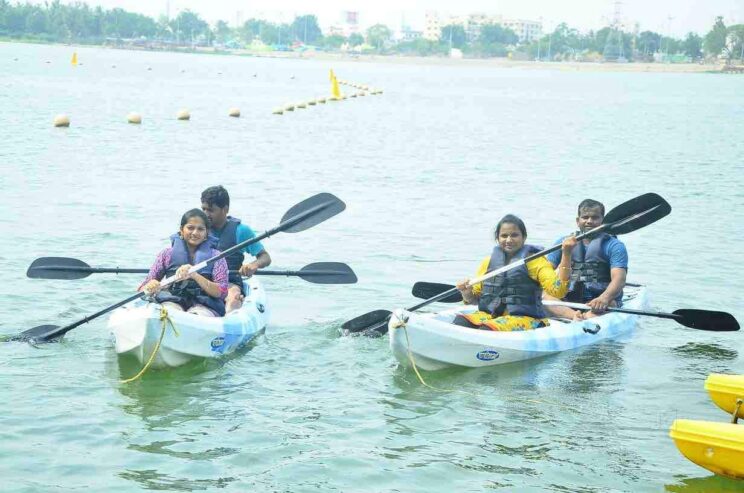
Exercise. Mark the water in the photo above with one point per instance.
(426, 171)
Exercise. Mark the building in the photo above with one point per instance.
(347, 25)
(432, 27)
(527, 31)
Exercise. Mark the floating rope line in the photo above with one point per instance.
(165, 319)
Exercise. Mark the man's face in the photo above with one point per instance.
(217, 215)
(589, 218)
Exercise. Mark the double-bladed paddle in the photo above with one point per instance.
(625, 218)
(689, 317)
(72, 268)
(302, 216)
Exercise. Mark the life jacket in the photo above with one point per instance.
(513, 291)
(228, 238)
(187, 293)
(590, 270)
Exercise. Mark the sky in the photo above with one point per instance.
(675, 17)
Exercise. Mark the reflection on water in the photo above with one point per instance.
(708, 484)
(704, 359)
(151, 479)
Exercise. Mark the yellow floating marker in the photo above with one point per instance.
(353, 95)
(312, 102)
(61, 121)
(134, 118)
(301, 105)
(184, 115)
(321, 100)
(74, 60)
(278, 111)
(335, 91)
(234, 112)
(289, 107)
(362, 94)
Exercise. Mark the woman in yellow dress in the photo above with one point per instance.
(511, 301)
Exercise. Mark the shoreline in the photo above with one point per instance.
(565, 66)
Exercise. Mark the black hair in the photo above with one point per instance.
(194, 213)
(511, 219)
(590, 204)
(216, 195)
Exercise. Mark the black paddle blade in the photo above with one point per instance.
(371, 320)
(40, 333)
(426, 290)
(312, 211)
(328, 273)
(707, 320)
(636, 213)
(58, 268)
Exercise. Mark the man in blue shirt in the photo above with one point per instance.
(228, 231)
(599, 266)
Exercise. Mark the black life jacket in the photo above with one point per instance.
(590, 270)
(513, 291)
(187, 293)
(228, 238)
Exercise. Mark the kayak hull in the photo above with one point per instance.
(726, 391)
(434, 343)
(137, 327)
(718, 447)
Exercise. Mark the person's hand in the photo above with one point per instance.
(152, 287)
(247, 270)
(568, 244)
(599, 304)
(183, 272)
(578, 315)
(462, 286)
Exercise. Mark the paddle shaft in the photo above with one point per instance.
(581, 306)
(508, 267)
(117, 270)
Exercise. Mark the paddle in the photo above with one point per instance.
(689, 317)
(625, 218)
(71, 268)
(302, 216)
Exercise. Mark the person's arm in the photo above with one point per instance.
(618, 255)
(471, 294)
(151, 284)
(554, 282)
(216, 288)
(263, 259)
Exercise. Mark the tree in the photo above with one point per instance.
(222, 31)
(356, 39)
(454, 35)
(692, 46)
(378, 35)
(188, 25)
(495, 33)
(736, 41)
(334, 41)
(305, 28)
(648, 42)
(715, 41)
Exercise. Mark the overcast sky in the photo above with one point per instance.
(686, 15)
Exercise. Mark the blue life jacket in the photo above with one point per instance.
(187, 293)
(590, 271)
(513, 291)
(228, 238)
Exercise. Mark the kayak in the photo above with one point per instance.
(727, 391)
(718, 447)
(435, 343)
(137, 327)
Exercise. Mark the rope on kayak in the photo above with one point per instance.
(165, 319)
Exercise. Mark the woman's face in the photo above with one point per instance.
(194, 232)
(510, 238)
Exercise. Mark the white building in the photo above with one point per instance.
(432, 27)
(525, 30)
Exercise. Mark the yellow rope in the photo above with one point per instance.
(164, 321)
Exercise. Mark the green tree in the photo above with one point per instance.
(648, 42)
(305, 28)
(693, 45)
(188, 25)
(333, 42)
(378, 35)
(454, 36)
(497, 34)
(715, 41)
(736, 41)
(356, 39)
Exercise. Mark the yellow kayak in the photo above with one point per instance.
(725, 390)
(718, 447)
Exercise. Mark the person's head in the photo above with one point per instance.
(194, 227)
(216, 204)
(590, 215)
(511, 233)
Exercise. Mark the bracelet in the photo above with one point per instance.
(562, 267)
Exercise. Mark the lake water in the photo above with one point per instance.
(426, 170)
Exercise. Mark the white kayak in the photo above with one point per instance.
(136, 329)
(434, 343)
